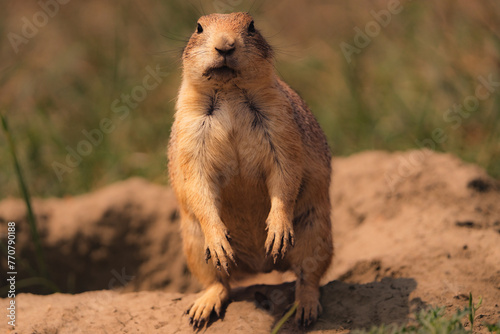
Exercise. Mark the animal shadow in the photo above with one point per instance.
(346, 306)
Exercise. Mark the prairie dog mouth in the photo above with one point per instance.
(222, 73)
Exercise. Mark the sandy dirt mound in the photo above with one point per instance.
(345, 306)
(123, 236)
(411, 229)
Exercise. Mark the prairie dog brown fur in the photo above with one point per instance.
(250, 167)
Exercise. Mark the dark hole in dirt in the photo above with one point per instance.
(467, 224)
(480, 185)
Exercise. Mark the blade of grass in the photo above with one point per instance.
(27, 199)
(285, 318)
(472, 310)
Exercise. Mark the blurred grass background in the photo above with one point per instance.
(392, 95)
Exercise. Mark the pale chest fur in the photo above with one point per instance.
(232, 135)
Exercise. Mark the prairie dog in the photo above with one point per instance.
(250, 167)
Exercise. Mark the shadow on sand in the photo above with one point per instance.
(346, 306)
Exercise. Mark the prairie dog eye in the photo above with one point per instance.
(199, 29)
(251, 27)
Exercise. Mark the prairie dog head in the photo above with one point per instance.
(226, 48)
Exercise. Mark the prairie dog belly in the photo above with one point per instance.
(245, 199)
(245, 208)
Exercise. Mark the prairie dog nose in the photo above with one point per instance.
(225, 45)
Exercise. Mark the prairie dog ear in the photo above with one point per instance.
(251, 27)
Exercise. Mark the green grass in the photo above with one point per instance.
(435, 321)
(427, 321)
(393, 95)
(26, 196)
(41, 275)
(285, 318)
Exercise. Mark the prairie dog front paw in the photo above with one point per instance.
(218, 248)
(280, 238)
